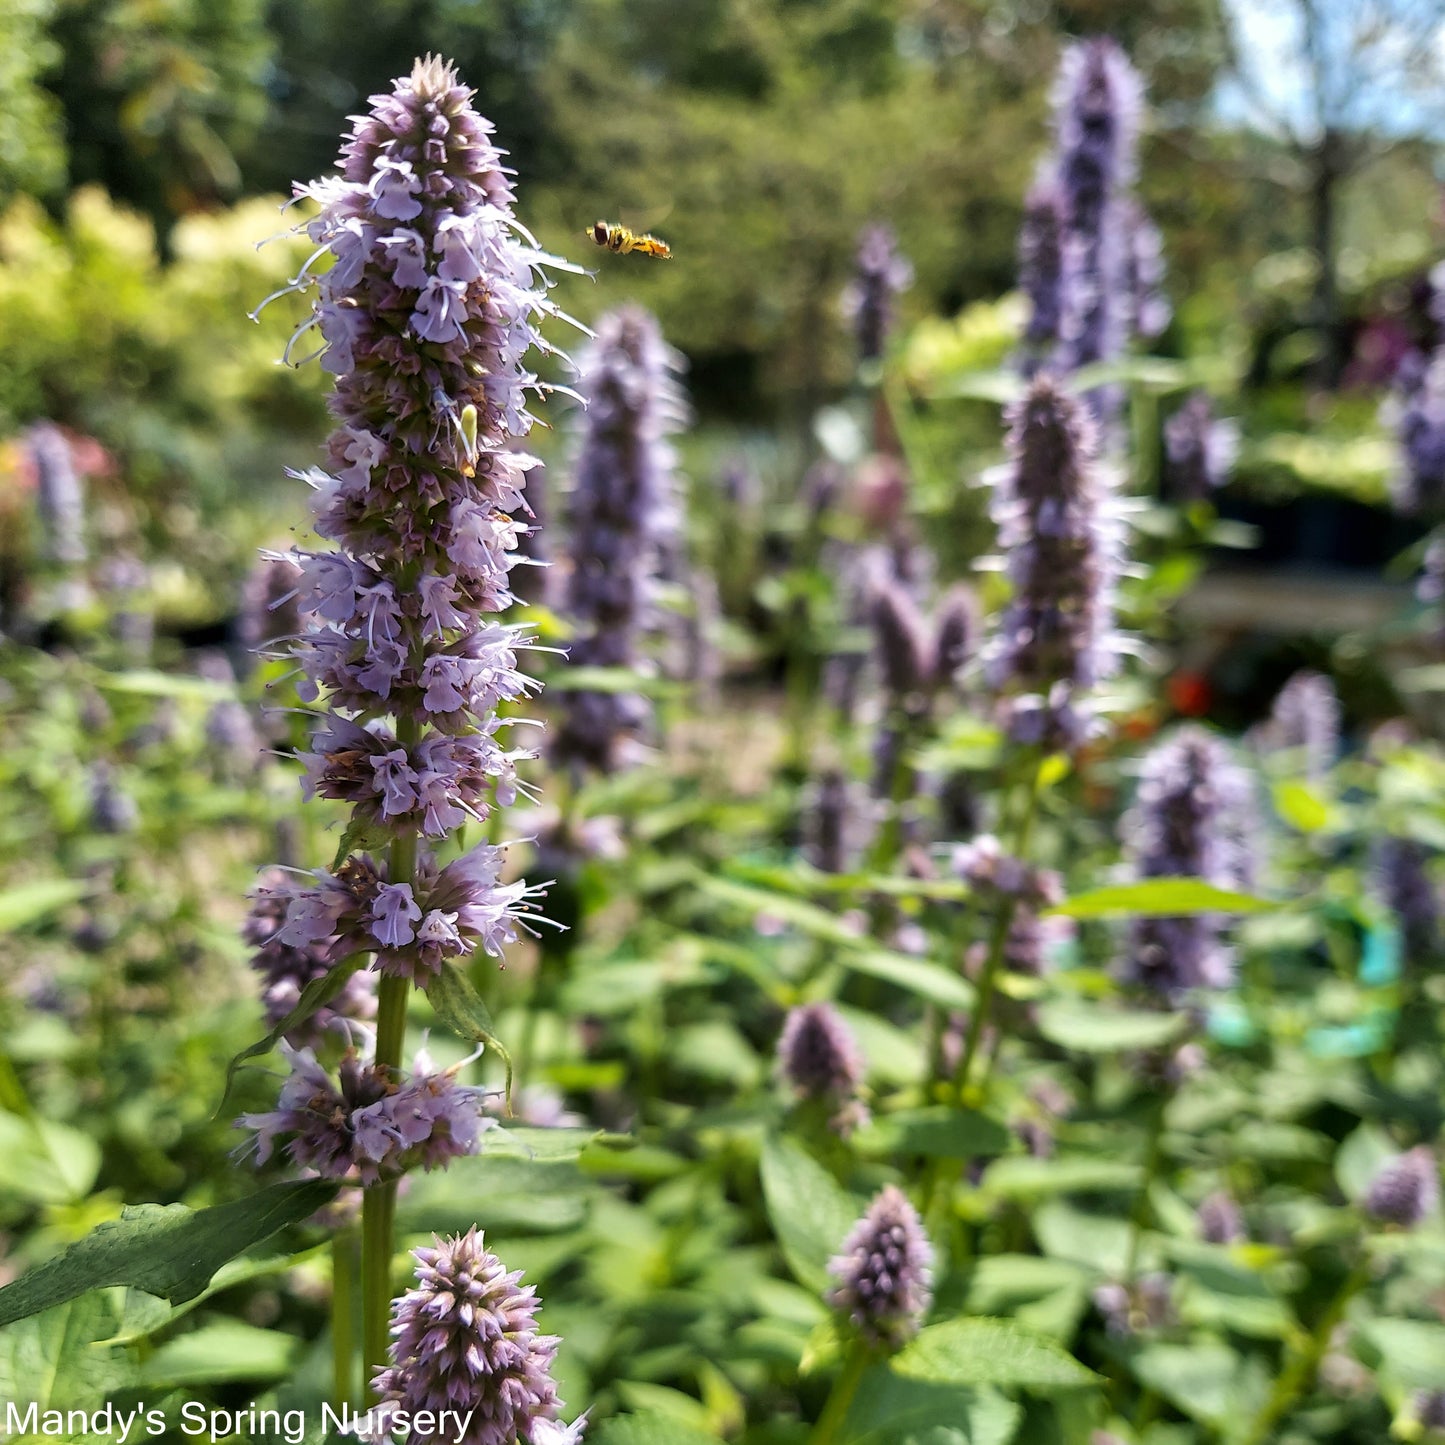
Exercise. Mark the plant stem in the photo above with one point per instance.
(343, 1305)
(1299, 1372)
(1153, 1153)
(988, 980)
(835, 1409)
(378, 1204)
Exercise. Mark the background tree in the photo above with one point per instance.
(1338, 87)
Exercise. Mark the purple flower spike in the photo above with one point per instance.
(1429, 1408)
(1199, 450)
(1090, 260)
(465, 1337)
(819, 1060)
(1305, 721)
(623, 517)
(1419, 486)
(1057, 528)
(433, 299)
(881, 272)
(1406, 1191)
(1220, 1221)
(1191, 821)
(1041, 240)
(883, 1280)
(1410, 894)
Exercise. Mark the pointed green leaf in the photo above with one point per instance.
(460, 1008)
(29, 902)
(1159, 898)
(938, 1132)
(810, 1211)
(1090, 1028)
(991, 1352)
(167, 1250)
(892, 1409)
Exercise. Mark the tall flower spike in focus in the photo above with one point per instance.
(881, 271)
(431, 302)
(623, 513)
(465, 1335)
(882, 1279)
(1190, 821)
(1063, 545)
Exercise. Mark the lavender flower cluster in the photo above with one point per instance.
(367, 1125)
(1192, 820)
(411, 928)
(882, 1279)
(623, 514)
(1000, 880)
(1401, 868)
(880, 272)
(466, 1335)
(1419, 408)
(1406, 1191)
(431, 302)
(820, 1062)
(1090, 260)
(287, 968)
(1305, 721)
(1199, 450)
(1063, 545)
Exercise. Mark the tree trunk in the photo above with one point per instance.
(1325, 317)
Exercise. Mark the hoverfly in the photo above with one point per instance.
(617, 238)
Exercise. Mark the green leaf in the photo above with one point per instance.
(53, 1359)
(515, 1196)
(1300, 806)
(991, 1352)
(611, 680)
(891, 1409)
(221, 1351)
(146, 683)
(1158, 898)
(144, 1314)
(316, 995)
(1410, 1350)
(938, 1132)
(460, 1008)
(615, 988)
(1021, 1176)
(1365, 1151)
(1094, 1029)
(810, 1212)
(1205, 1380)
(30, 902)
(649, 1430)
(1045, 1295)
(46, 1162)
(166, 1250)
(930, 981)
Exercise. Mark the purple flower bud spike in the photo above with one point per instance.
(465, 1337)
(883, 1279)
